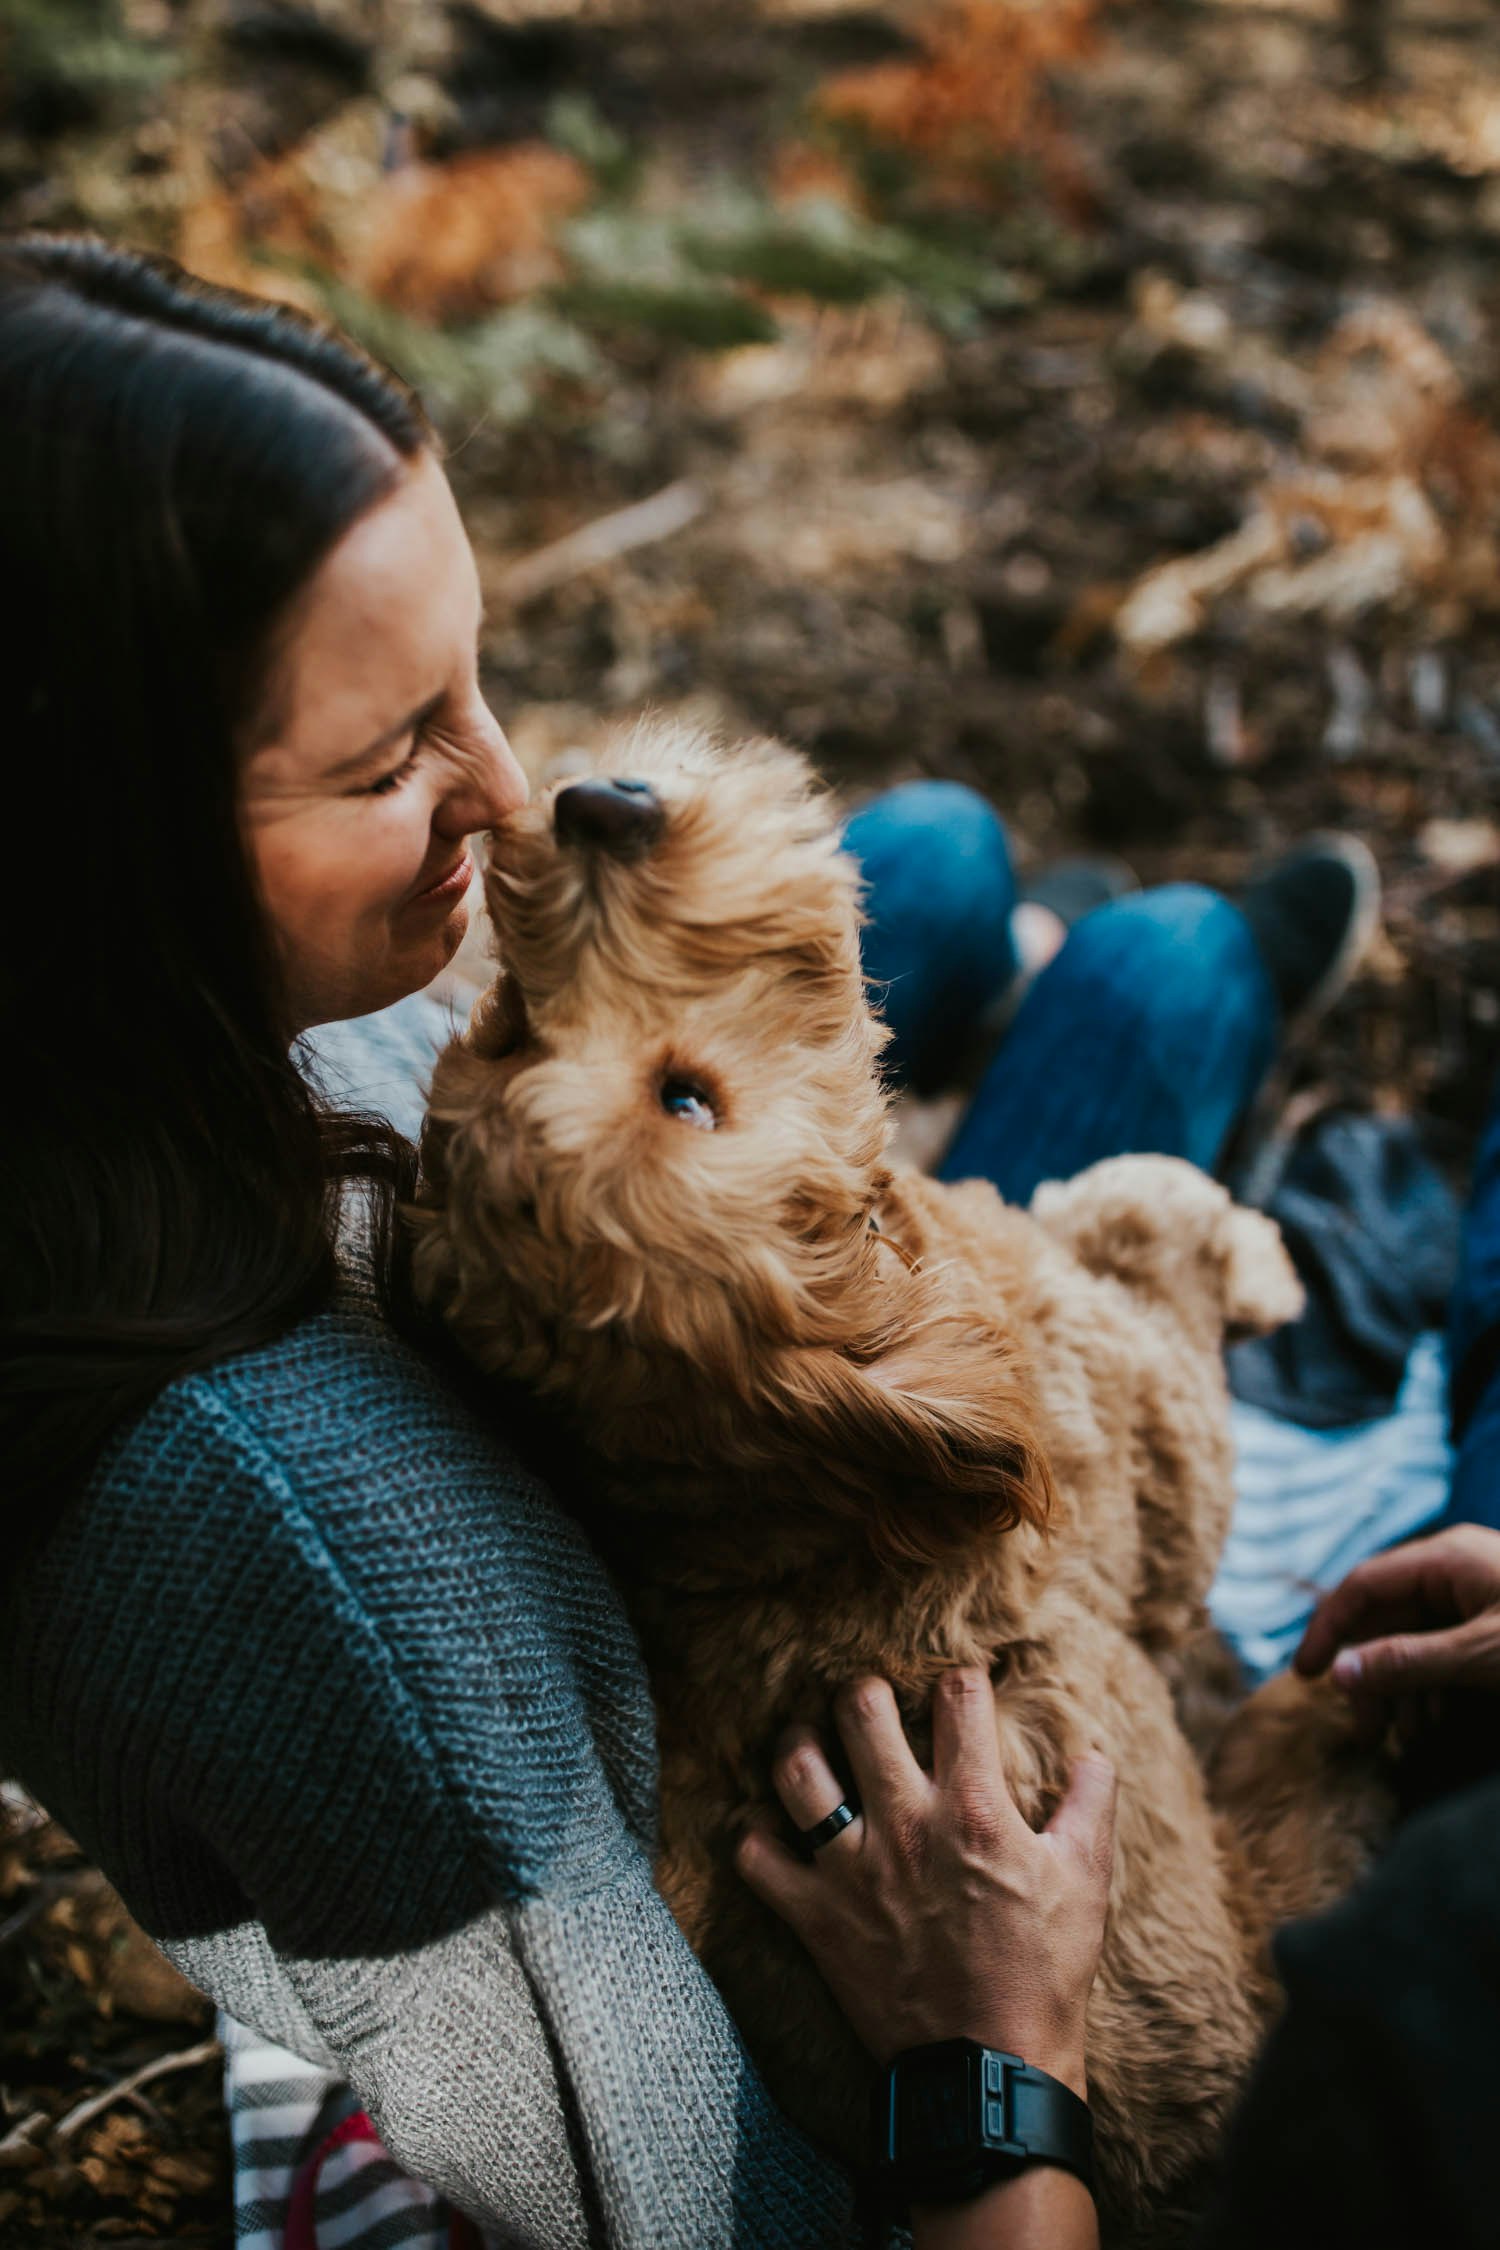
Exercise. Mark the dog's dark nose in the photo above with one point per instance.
(623, 818)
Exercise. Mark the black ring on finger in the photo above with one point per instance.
(832, 1824)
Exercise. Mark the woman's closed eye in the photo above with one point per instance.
(394, 775)
(418, 731)
(392, 779)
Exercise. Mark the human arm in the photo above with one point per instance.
(345, 1708)
(940, 1914)
(1041, 2209)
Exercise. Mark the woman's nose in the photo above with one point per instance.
(491, 787)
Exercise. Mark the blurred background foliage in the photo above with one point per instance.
(396, 157)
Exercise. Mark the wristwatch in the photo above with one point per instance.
(954, 2118)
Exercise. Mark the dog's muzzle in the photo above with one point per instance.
(622, 818)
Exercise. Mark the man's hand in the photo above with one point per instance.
(1422, 1616)
(939, 1913)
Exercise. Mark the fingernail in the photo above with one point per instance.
(1348, 1667)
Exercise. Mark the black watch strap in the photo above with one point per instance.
(1049, 2121)
(955, 2117)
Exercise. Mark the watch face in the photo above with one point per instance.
(935, 2106)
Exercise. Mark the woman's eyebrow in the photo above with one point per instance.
(413, 719)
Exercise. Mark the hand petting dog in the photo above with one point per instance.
(938, 1913)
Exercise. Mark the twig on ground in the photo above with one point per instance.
(22, 2135)
(602, 541)
(85, 2112)
(146, 2108)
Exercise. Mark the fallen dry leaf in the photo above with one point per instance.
(447, 241)
(802, 172)
(1395, 503)
(978, 94)
(1459, 846)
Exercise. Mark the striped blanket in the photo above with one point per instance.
(309, 2170)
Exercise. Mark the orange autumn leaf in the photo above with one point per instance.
(978, 92)
(447, 241)
(214, 243)
(235, 235)
(801, 172)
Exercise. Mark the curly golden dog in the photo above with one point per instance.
(854, 1421)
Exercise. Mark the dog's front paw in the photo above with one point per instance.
(1167, 1230)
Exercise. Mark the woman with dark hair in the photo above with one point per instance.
(290, 1639)
(175, 463)
(297, 1648)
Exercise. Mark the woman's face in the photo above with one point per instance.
(379, 758)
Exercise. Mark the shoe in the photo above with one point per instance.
(1071, 888)
(1312, 915)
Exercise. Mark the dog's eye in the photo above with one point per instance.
(685, 1098)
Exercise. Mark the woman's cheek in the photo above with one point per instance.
(292, 870)
(379, 858)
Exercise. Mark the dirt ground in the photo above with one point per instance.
(1096, 406)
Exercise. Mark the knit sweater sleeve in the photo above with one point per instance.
(350, 1715)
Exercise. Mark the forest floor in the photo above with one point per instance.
(1147, 480)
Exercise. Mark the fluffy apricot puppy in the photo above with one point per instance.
(853, 1421)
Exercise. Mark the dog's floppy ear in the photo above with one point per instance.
(923, 1445)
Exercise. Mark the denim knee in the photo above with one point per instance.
(943, 848)
(939, 892)
(1150, 1031)
(1180, 959)
(1180, 976)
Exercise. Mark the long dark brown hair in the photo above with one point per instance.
(175, 460)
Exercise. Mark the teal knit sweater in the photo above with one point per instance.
(350, 1714)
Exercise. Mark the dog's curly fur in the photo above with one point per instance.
(856, 1421)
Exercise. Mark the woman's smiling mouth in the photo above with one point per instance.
(449, 887)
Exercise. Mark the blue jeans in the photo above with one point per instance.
(1151, 1030)
(939, 891)
(1474, 1343)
